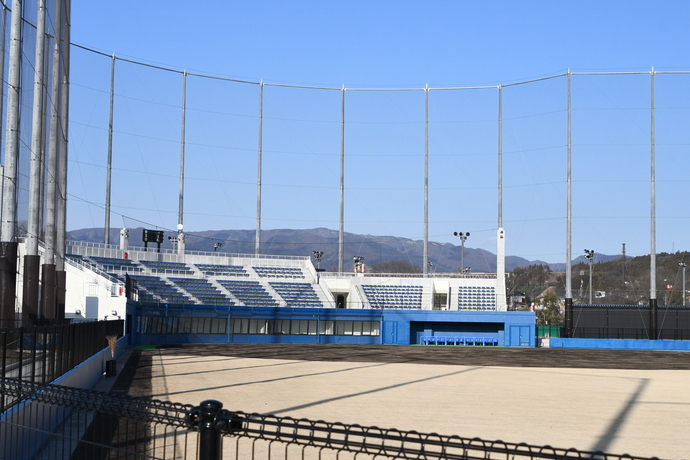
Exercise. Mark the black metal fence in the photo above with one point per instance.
(41, 354)
(48, 421)
(629, 322)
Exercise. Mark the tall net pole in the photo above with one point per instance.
(180, 215)
(48, 271)
(341, 232)
(652, 249)
(569, 228)
(425, 263)
(109, 167)
(61, 229)
(257, 238)
(30, 298)
(500, 156)
(8, 255)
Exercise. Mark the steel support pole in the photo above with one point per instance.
(259, 168)
(591, 261)
(9, 196)
(8, 254)
(109, 168)
(35, 204)
(500, 156)
(48, 279)
(501, 303)
(61, 228)
(653, 329)
(683, 295)
(3, 34)
(180, 213)
(425, 263)
(568, 322)
(37, 126)
(30, 298)
(54, 139)
(341, 232)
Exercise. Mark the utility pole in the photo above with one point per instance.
(682, 265)
(589, 255)
(623, 285)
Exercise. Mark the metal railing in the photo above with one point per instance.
(86, 248)
(102, 425)
(43, 353)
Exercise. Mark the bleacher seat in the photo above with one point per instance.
(250, 293)
(477, 298)
(202, 290)
(168, 268)
(297, 294)
(156, 290)
(279, 272)
(115, 265)
(394, 297)
(222, 270)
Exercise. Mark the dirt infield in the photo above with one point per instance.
(448, 355)
(609, 400)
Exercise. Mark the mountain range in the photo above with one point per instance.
(443, 257)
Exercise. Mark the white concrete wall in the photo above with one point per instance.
(92, 296)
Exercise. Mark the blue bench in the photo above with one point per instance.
(467, 341)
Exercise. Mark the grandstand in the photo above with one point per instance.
(269, 281)
(268, 298)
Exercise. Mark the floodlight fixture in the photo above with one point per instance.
(318, 255)
(463, 237)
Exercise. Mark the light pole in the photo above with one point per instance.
(216, 246)
(463, 237)
(359, 266)
(682, 265)
(318, 255)
(589, 255)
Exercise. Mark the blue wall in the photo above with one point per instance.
(620, 344)
(397, 327)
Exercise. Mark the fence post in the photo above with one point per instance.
(210, 441)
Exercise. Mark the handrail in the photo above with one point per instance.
(113, 247)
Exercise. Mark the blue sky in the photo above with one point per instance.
(390, 45)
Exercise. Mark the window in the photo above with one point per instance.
(240, 326)
(343, 327)
(185, 325)
(256, 326)
(326, 327)
(312, 327)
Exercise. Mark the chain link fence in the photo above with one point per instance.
(50, 421)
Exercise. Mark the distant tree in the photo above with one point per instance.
(531, 280)
(395, 266)
(549, 310)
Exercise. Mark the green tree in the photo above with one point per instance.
(549, 310)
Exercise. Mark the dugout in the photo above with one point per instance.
(155, 324)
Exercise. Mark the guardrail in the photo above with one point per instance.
(101, 425)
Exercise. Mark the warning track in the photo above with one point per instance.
(449, 355)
